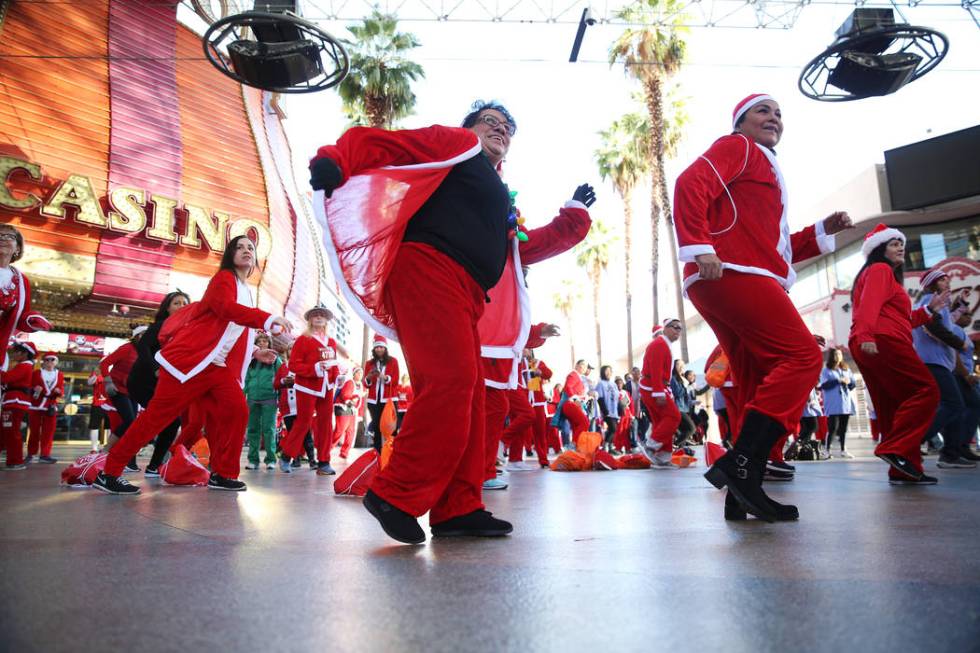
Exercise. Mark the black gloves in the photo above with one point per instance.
(584, 194)
(325, 176)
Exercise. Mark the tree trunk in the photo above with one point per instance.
(595, 274)
(571, 335)
(628, 238)
(654, 99)
(678, 282)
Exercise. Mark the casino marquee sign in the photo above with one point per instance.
(128, 211)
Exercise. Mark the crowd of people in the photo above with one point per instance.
(443, 268)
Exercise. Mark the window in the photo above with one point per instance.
(929, 244)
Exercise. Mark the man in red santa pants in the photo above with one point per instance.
(381, 383)
(15, 382)
(417, 230)
(573, 396)
(204, 360)
(733, 231)
(658, 361)
(313, 360)
(48, 386)
(347, 405)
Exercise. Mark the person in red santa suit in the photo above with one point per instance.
(313, 361)
(115, 369)
(656, 396)
(537, 374)
(102, 413)
(573, 396)
(15, 383)
(381, 383)
(621, 441)
(730, 215)
(904, 393)
(347, 405)
(417, 265)
(48, 386)
(554, 435)
(285, 383)
(204, 359)
(405, 396)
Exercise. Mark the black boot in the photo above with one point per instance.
(735, 512)
(741, 468)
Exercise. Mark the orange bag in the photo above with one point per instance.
(570, 461)
(202, 451)
(682, 458)
(587, 444)
(634, 461)
(604, 461)
(717, 372)
(389, 421)
(356, 479)
(183, 469)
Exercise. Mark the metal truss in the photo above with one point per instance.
(747, 14)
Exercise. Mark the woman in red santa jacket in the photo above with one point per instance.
(905, 395)
(417, 265)
(346, 407)
(48, 386)
(732, 227)
(203, 359)
(16, 389)
(656, 396)
(313, 361)
(381, 383)
(573, 396)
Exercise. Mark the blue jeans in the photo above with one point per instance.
(949, 417)
(971, 418)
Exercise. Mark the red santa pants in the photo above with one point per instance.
(437, 464)
(665, 418)
(191, 427)
(496, 407)
(315, 412)
(540, 429)
(554, 436)
(343, 429)
(775, 360)
(41, 432)
(11, 419)
(904, 394)
(219, 394)
(576, 417)
(621, 441)
(521, 421)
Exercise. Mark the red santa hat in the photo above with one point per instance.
(50, 354)
(931, 276)
(878, 236)
(747, 104)
(379, 341)
(28, 346)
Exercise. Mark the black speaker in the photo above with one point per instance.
(865, 21)
(276, 65)
(873, 74)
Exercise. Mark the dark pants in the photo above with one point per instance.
(808, 426)
(949, 416)
(685, 429)
(612, 423)
(126, 409)
(971, 417)
(836, 425)
(307, 439)
(375, 410)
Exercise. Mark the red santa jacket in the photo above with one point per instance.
(304, 361)
(535, 384)
(731, 202)
(882, 307)
(505, 326)
(655, 374)
(118, 364)
(17, 388)
(574, 386)
(52, 387)
(195, 335)
(552, 405)
(382, 386)
(287, 394)
(405, 397)
(16, 313)
(345, 400)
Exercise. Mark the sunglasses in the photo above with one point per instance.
(494, 123)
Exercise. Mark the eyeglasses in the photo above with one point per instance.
(494, 123)
(7, 236)
(50, 359)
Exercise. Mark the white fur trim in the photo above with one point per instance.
(688, 253)
(882, 236)
(748, 105)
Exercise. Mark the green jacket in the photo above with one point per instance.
(258, 381)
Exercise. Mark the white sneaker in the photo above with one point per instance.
(662, 460)
(494, 484)
(846, 454)
(650, 449)
(521, 466)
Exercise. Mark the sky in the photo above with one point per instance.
(560, 107)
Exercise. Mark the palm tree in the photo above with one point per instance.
(593, 255)
(565, 300)
(622, 158)
(652, 53)
(674, 123)
(378, 89)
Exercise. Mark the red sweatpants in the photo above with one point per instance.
(437, 463)
(495, 409)
(315, 412)
(577, 418)
(822, 428)
(41, 432)
(665, 418)
(904, 394)
(219, 394)
(521, 421)
(775, 360)
(11, 419)
(621, 441)
(192, 426)
(343, 428)
(540, 429)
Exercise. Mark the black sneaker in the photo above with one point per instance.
(131, 467)
(151, 472)
(782, 477)
(902, 465)
(324, 469)
(398, 524)
(954, 461)
(295, 463)
(967, 453)
(230, 484)
(479, 523)
(47, 460)
(114, 484)
(922, 480)
(774, 466)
